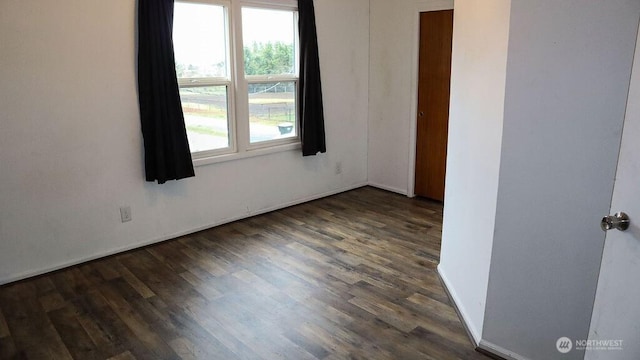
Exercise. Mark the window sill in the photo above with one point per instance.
(246, 154)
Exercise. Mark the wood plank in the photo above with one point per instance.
(136, 324)
(75, 338)
(349, 276)
(52, 301)
(124, 356)
(31, 329)
(106, 329)
(8, 349)
(4, 328)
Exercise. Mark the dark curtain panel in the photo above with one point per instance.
(166, 148)
(310, 109)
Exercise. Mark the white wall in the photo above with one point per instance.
(569, 64)
(480, 38)
(389, 93)
(71, 146)
(393, 90)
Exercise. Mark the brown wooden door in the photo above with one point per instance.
(436, 30)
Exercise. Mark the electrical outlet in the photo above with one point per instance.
(338, 167)
(125, 213)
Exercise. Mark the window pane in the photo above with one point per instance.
(272, 111)
(199, 40)
(206, 117)
(269, 41)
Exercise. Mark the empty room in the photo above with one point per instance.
(319, 179)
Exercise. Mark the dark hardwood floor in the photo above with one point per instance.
(351, 276)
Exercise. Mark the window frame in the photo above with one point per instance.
(237, 83)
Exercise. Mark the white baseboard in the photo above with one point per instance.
(499, 351)
(44, 270)
(479, 343)
(474, 336)
(389, 188)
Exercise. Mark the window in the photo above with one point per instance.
(238, 75)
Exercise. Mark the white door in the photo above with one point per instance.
(615, 322)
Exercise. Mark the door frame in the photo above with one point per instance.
(419, 7)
